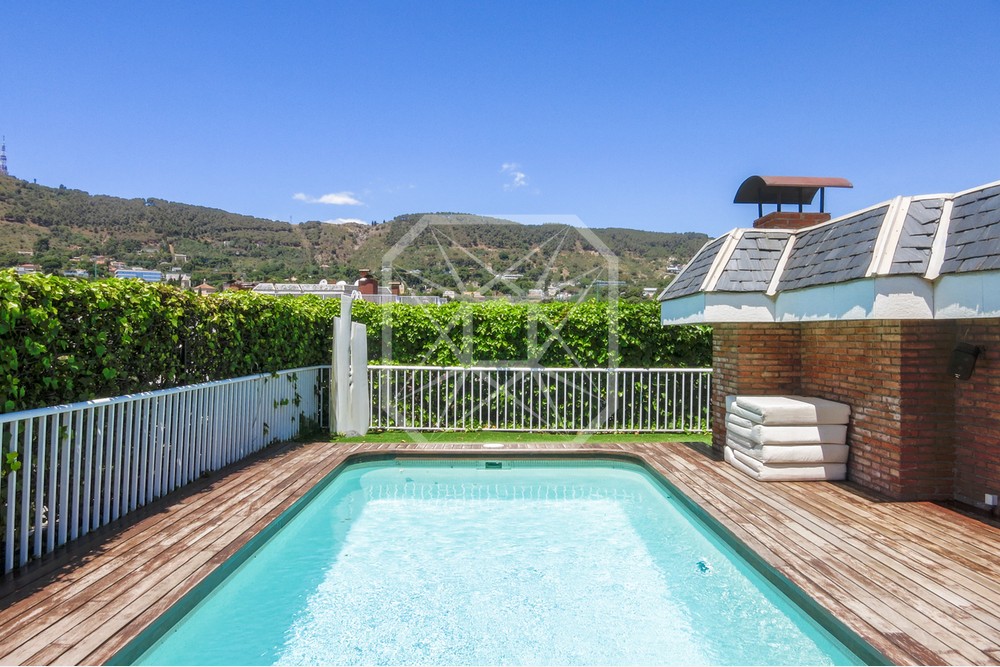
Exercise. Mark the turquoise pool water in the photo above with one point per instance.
(466, 563)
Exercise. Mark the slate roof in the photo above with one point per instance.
(974, 233)
(690, 279)
(913, 251)
(833, 253)
(905, 232)
(753, 262)
(934, 256)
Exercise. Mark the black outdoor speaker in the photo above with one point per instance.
(963, 361)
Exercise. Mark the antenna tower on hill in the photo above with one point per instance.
(3, 156)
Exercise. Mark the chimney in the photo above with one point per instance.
(366, 283)
(790, 219)
(790, 191)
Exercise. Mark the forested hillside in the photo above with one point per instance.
(61, 228)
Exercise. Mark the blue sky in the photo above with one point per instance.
(644, 115)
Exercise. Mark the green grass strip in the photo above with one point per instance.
(478, 437)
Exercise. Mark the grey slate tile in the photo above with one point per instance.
(844, 250)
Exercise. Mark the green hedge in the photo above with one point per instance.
(64, 340)
(555, 334)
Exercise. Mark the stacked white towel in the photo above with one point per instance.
(787, 438)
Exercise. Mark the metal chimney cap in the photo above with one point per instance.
(785, 189)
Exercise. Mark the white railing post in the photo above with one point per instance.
(87, 464)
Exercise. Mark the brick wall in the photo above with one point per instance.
(751, 359)
(915, 432)
(857, 363)
(790, 220)
(893, 375)
(927, 406)
(977, 416)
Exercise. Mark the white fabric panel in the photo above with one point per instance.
(786, 435)
(771, 454)
(785, 472)
(793, 410)
(743, 413)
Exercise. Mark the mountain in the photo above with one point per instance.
(61, 228)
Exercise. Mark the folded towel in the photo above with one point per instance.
(771, 454)
(785, 473)
(835, 434)
(791, 410)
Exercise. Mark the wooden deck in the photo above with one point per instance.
(918, 582)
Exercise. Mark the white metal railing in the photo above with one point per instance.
(425, 398)
(86, 464)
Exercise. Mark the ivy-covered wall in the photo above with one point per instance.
(63, 340)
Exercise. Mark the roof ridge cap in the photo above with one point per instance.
(889, 232)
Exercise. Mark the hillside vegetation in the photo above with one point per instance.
(59, 224)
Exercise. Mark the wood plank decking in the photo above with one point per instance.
(918, 582)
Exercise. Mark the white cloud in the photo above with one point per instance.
(344, 221)
(518, 179)
(335, 198)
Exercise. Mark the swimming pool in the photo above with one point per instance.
(493, 562)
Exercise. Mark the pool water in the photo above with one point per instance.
(411, 562)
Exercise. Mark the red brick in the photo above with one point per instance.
(908, 414)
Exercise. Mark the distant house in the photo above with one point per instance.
(76, 273)
(885, 309)
(182, 279)
(204, 289)
(366, 287)
(139, 274)
(25, 269)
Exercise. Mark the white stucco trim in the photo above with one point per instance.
(888, 237)
(739, 307)
(939, 245)
(721, 260)
(902, 298)
(718, 307)
(840, 301)
(683, 310)
(889, 298)
(772, 287)
(967, 295)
